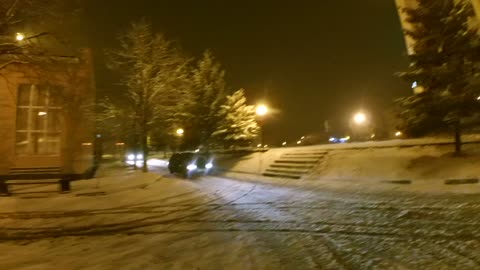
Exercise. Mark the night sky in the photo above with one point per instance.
(310, 60)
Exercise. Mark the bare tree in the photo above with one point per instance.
(35, 28)
(153, 69)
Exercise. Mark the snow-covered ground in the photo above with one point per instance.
(424, 161)
(130, 220)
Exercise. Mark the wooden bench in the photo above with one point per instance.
(34, 176)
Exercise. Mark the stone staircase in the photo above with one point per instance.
(295, 164)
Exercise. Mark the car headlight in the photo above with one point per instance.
(139, 157)
(131, 157)
(209, 165)
(191, 167)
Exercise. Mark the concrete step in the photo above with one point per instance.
(292, 166)
(283, 161)
(299, 158)
(302, 156)
(287, 171)
(305, 153)
(289, 176)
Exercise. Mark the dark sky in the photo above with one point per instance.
(311, 60)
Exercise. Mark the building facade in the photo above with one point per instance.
(47, 116)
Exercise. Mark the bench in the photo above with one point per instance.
(34, 176)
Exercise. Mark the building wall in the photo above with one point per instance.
(75, 76)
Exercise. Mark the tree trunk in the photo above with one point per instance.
(144, 151)
(458, 139)
(144, 136)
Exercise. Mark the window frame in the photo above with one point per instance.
(36, 131)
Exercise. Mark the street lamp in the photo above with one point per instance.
(179, 132)
(360, 118)
(261, 111)
(20, 37)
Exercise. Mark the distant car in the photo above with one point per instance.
(134, 157)
(189, 164)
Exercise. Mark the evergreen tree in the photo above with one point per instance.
(238, 125)
(443, 65)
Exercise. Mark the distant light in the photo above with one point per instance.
(87, 144)
(265, 146)
(120, 144)
(131, 157)
(299, 142)
(42, 113)
(197, 150)
(262, 110)
(180, 132)
(139, 157)
(259, 145)
(332, 139)
(99, 135)
(373, 136)
(303, 138)
(398, 134)
(344, 140)
(360, 118)
(209, 166)
(191, 167)
(284, 143)
(20, 37)
(478, 98)
(414, 85)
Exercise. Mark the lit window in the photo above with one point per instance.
(39, 120)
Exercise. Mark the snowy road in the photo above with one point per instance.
(218, 223)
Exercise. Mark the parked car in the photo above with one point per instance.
(189, 164)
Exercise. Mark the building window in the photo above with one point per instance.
(39, 120)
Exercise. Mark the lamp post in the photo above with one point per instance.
(179, 132)
(359, 124)
(261, 111)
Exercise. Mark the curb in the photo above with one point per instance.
(461, 181)
(399, 182)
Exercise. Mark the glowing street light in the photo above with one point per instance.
(180, 132)
(284, 143)
(359, 118)
(262, 110)
(20, 37)
(398, 134)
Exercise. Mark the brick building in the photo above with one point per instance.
(46, 116)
